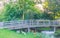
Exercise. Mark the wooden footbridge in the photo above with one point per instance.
(29, 24)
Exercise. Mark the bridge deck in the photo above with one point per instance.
(29, 24)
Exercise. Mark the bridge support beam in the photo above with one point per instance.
(54, 29)
(28, 29)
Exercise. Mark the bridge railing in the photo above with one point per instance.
(29, 23)
(32, 22)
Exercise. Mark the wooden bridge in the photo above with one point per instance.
(29, 24)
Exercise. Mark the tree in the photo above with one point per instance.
(20, 10)
(53, 7)
(11, 12)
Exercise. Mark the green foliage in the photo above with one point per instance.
(57, 33)
(48, 28)
(54, 8)
(22, 9)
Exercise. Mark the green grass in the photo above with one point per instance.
(10, 34)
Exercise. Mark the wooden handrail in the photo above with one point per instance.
(30, 23)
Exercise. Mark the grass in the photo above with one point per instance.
(10, 34)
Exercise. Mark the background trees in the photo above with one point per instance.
(22, 9)
(53, 8)
(25, 10)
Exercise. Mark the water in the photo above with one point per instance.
(48, 34)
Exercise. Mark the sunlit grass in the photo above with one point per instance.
(11, 34)
(8, 34)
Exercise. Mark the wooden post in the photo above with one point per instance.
(54, 29)
(28, 29)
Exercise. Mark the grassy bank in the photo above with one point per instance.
(10, 34)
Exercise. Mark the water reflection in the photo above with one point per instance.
(48, 34)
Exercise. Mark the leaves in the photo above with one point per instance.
(24, 9)
(53, 7)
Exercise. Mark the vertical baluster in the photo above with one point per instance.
(49, 22)
(59, 22)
